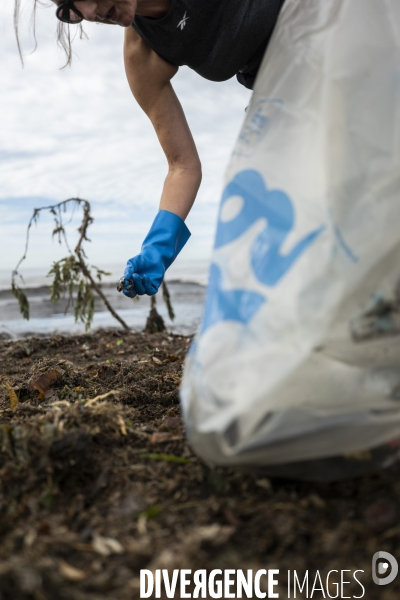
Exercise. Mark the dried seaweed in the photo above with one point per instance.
(71, 276)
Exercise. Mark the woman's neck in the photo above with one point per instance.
(153, 8)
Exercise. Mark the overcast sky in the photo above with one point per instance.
(79, 132)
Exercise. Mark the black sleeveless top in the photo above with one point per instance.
(216, 38)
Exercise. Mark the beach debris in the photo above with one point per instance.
(71, 573)
(102, 397)
(171, 358)
(105, 546)
(43, 382)
(121, 424)
(264, 484)
(121, 285)
(23, 301)
(155, 323)
(71, 478)
(162, 437)
(73, 277)
(11, 395)
(167, 300)
(68, 475)
(214, 534)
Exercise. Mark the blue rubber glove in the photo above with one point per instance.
(145, 271)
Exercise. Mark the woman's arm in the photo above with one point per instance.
(149, 78)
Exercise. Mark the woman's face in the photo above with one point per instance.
(112, 12)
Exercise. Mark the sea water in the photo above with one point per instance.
(47, 318)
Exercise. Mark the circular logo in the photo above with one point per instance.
(385, 572)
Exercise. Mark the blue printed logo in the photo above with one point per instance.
(261, 115)
(228, 305)
(269, 264)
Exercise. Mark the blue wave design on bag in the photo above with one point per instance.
(228, 305)
(268, 264)
(267, 261)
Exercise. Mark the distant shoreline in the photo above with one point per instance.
(6, 293)
(47, 318)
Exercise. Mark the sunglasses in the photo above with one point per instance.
(68, 13)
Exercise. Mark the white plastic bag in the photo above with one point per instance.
(298, 356)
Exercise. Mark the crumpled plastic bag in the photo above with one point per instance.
(298, 354)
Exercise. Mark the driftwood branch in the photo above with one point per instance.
(80, 263)
(99, 291)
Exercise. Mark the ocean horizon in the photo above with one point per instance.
(186, 283)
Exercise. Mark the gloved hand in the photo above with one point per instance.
(145, 271)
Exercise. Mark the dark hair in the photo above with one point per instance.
(64, 39)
